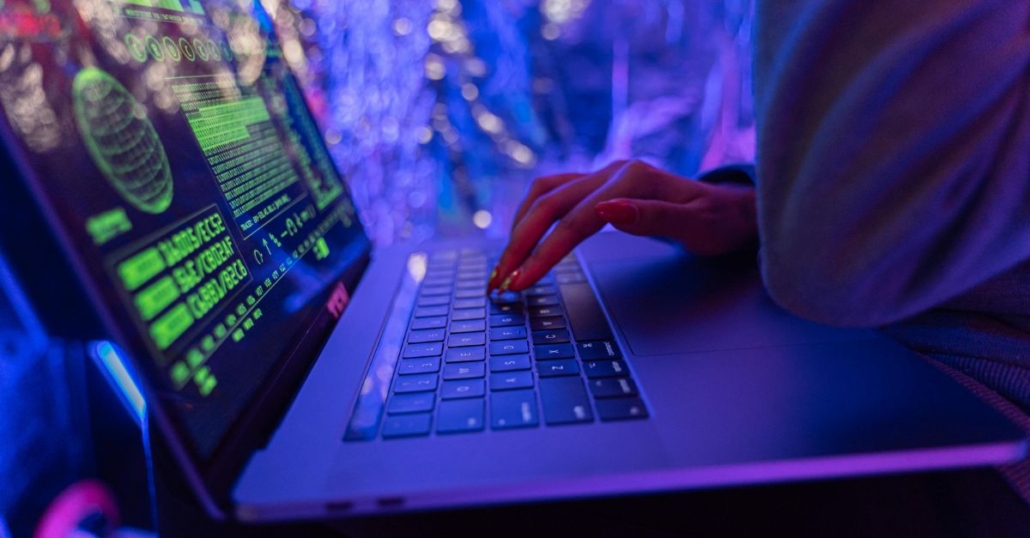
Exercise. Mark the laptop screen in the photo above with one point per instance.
(173, 151)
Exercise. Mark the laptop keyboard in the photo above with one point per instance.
(518, 360)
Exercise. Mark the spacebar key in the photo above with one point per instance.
(584, 312)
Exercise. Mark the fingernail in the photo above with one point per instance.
(617, 212)
(490, 281)
(507, 282)
(515, 280)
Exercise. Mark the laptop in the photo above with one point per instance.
(181, 184)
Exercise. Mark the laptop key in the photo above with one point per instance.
(464, 388)
(511, 380)
(508, 347)
(430, 311)
(507, 320)
(467, 294)
(508, 297)
(469, 326)
(584, 312)
(425, 336)
(513, 308)
(467, 314)
(466, 339)
(596, 369)
(509, 363)
(556, 351)
(621, 409)
(571, 277)
(411, 403)
(565, 401)
(433, 300)
(428, 291)
(464, 370)
(513, 409)
(460, 416)
(415, 383)
(407, 425)
(434, 322)
(508, 333)
(466, 354)
(558, 368)
(543, 300)
(545, 311)
(547, 324)
(438, 282)
(478, 302)
(429, 349)
(609, 387)
(441, 270)
(592, 351)
(555, 336)
(419, 366)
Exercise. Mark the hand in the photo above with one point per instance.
(634, 197)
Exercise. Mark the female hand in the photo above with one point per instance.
(634, 197)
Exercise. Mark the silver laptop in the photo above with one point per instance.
(298, 374)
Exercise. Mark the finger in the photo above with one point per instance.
(581, 221)
(685, 223)
(645, 217)
(525, 236)
(710, 225)
(541, 216)
(571, 231)
(541, 186)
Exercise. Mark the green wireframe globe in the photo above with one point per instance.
(122, 142)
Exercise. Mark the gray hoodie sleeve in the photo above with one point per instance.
(893, 152)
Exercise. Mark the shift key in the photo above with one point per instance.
(564, 401)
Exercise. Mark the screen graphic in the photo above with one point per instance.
(176, 153)
(121, 140)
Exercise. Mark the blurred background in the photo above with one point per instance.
(440, 112)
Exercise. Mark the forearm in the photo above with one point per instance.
(892, 152)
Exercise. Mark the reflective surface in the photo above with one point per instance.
(170, 146)
(441, 112)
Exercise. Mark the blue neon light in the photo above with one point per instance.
(122, 378)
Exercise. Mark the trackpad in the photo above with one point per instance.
(684, 304)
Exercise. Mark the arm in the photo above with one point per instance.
(893, 152)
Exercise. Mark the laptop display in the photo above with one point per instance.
(171, 147)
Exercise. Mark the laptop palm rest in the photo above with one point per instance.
(669, 302)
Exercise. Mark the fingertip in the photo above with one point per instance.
(491, 283)
(506, 284)
(516, 281)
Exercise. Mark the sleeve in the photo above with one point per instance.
(733, 174)
(893, 163)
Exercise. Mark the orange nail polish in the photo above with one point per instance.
(507, 281)
(512, 279)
